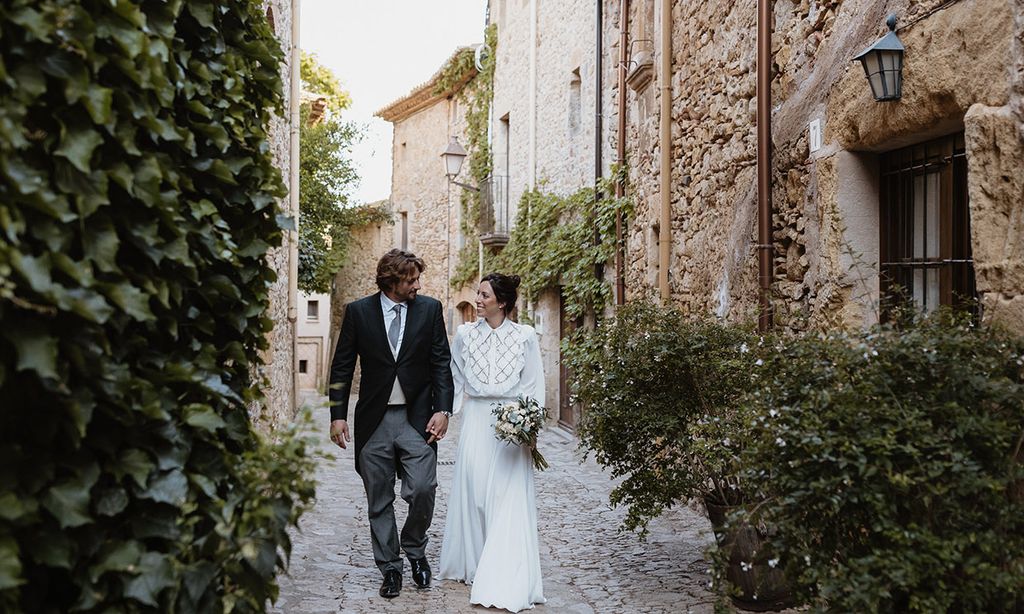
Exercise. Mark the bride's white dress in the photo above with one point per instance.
(490, 534)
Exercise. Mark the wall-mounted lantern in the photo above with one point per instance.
(883, 64)
(453, 156)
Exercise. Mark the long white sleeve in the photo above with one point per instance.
(458, 372)
(532, 382)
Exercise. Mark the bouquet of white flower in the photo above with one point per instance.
(519, 422)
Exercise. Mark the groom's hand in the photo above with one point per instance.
(437, 427)
(339, 433)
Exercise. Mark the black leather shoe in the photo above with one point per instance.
(392, 585)
(420, 572)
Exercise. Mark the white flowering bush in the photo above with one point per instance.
(890, 463)
(519, 422)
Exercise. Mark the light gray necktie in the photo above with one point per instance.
(396, 326)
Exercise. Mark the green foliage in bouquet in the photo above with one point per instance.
(137, 206)
(890, 463)
(661, 396)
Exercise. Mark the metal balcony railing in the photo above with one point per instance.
(494, 214)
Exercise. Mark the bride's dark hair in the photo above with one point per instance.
(504, 287)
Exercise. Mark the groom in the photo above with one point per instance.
(405, 400)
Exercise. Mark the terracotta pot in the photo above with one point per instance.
(761, 588)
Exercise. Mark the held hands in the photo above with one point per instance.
(437, 427)
(339, 433)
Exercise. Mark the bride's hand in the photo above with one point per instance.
(437, 427)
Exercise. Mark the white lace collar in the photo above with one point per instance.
(494, 357)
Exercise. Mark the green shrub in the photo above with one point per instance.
(137, 205)
(660, 396)
(890, 463)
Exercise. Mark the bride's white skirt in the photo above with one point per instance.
(490, 534)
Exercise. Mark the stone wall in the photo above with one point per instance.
(962, 72)
(562, 156)
(422, 205)
(279, 357)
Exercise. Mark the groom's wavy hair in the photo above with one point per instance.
(397, 265)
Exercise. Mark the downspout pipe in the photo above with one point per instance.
(598, 123)
(665, 144)
(620, 155)
(293, 202)
(531, 163)
(765, 249)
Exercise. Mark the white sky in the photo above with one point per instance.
(380, 50)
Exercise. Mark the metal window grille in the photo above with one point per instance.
(925, 227)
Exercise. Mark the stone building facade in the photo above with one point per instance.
(926, 192)
(279, 368)
(952, 143)
(424, 206)
(543, 125)
(425, 210)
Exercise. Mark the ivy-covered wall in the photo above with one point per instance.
(137, 207)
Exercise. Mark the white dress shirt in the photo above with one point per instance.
(397, 394)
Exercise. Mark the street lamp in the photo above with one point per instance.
(883, 64)
(453, 156)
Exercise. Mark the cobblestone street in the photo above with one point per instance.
(588, 565)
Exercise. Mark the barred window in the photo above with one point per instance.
(925, 226)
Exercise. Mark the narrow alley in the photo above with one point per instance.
(588, 565)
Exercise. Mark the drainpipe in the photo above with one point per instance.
(598, 124)
(293, 203)
(620, 157)
(531, 163)
(665, 143)
(765, 249)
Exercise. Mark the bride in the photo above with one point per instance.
(490, 534)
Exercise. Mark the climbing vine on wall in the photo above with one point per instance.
(476, 95)
(553, 244)
(138, 202)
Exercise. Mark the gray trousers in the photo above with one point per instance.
(396, 440)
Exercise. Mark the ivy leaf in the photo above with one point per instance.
(100, 244)
(135, 463)
(133, 301)
(202, 10)
(69, 500)
(170, 487)
(155, 574)
(77, 145)
(202, 416)
(36, 271)
(10, 564)
(98, 101)
(12, 507)
(33, 22)
(122, 556)
(88, 304)
(36, 349)
(198, 577)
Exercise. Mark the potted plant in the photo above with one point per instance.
(663, 411)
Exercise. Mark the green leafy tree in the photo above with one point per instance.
(318, 79)
(326, 176)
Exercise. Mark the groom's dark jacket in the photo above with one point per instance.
(423, 366)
